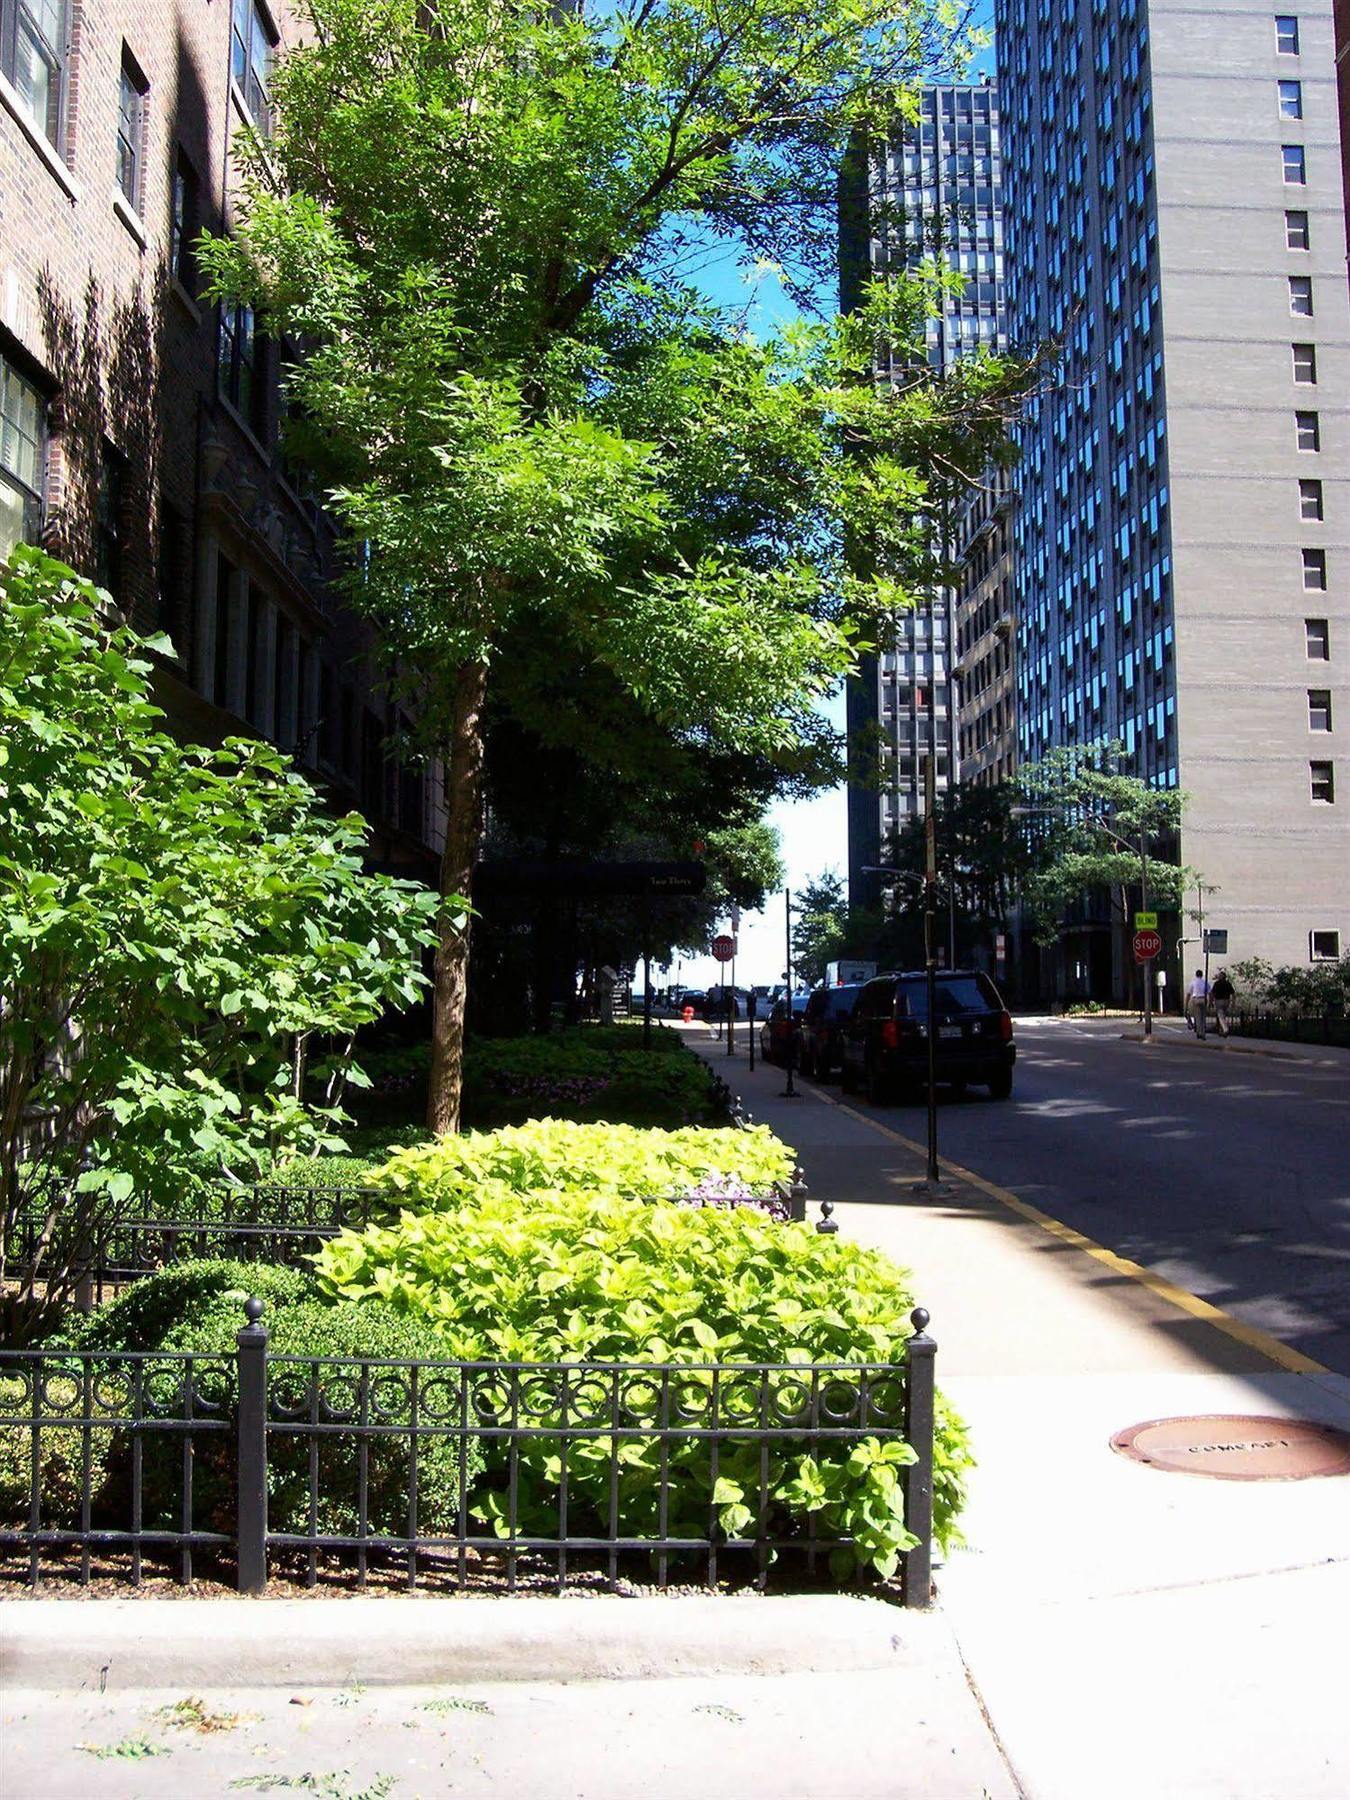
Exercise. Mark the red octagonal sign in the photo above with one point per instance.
(724, 948)
(1147, 945)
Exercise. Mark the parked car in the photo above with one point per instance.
(720, 1000)
(823, 1021)
(775, 1033)
(885, 1040)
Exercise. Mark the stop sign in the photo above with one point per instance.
(724, 947)
(1147, 945)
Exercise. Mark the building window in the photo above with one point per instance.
(23, 457)
(33, 52)
(1324, 946)
(108, 523)
(225, 603)
(131, 131)
(1310, 500)
(251, 60)
(243, 359)
(1305, 364)
(1322, 780)
(1308, 430)
(1315, 571)
(187, 223)
(1286, 35)
(1301, 296)
(1291, 99)
(1317, 637)
(1319, 709)
(1295, 165)
(1296, 231)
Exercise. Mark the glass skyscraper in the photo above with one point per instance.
(1181, 543)
(933, 189)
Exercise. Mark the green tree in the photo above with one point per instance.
(982, 859)
(820, 927)
(475, 217)
(1093, 828)
(176, 924)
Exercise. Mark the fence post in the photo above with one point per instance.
(797, 1196)
(920, 1352)
(251, 1518)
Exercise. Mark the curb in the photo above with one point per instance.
(1228, 1047)
(397, 1641)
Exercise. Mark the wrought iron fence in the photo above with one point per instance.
(264, 1224)
(458, 1474)
(1300, 1028)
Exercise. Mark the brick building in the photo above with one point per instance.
(140, 425)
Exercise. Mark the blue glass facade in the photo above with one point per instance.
(1092, 552)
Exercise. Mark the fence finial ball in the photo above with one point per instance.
(253, 1309)
(919, 1320)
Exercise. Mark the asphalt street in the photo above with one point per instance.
(1226, 1172)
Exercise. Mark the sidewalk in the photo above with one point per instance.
(1125, 1629)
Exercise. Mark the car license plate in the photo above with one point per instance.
(949, 1031)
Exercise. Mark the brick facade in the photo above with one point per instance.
(154, 479)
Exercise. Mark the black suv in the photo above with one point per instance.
(827, 1013)
(886, 1037)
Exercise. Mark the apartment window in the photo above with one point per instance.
(251, 60)
(1319, 709)
(1295, 166)
(108, 523)
(1301, 296)
(186, 225)
(23, 457)
(220, 660)
(1322, 782)
(33, 52)
(243, 363)
(131, 130)
(254, 685)
(1308, 429)
(1324, 946)
(1317, 637)
(1315, 571)
(1291, 99)
(1286, 35)
(1296, 235)
(1310, 500)
(1305, 364)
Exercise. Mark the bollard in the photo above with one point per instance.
(252, 1511)
(920, 1354)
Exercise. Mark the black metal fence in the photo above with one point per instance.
(444, 1474)
(1298, 1028)
(258, 1224)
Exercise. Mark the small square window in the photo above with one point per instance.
(1319, 709)
(1301, 296)
(1291, 99)
(1296, 231)
(1324, 946)
(1322, 782)
(1308, 429)
(1305, 364)
(131, 130)
(1315, 571)
(1295, 165)
(1286, 35)
(1317, 636)
(1310, 500)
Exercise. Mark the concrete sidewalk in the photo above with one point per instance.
(1125, 1629)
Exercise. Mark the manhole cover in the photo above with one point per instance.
(1238, 1447)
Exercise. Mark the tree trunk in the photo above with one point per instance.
(450, 988)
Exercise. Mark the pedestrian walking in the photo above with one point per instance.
(1197, 1002)
(1222, 995)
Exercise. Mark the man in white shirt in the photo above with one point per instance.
(1197, 999)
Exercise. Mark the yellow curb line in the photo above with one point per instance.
(1265, 1345)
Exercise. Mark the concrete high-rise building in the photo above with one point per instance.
(933, 189)
(1175, 218)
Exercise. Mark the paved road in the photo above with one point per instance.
(1228, 1173)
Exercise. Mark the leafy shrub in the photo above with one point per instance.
(600, 1280)
(560, 1157)
(198, 1307)
(588, 1074)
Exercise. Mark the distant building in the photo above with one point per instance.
(140, 424)
(935, 188)
(986, 636)
(1176, 219)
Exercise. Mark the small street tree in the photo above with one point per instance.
(176, 924)
(820, 923)
(475, 219)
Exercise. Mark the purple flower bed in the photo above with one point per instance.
(726, 1193)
